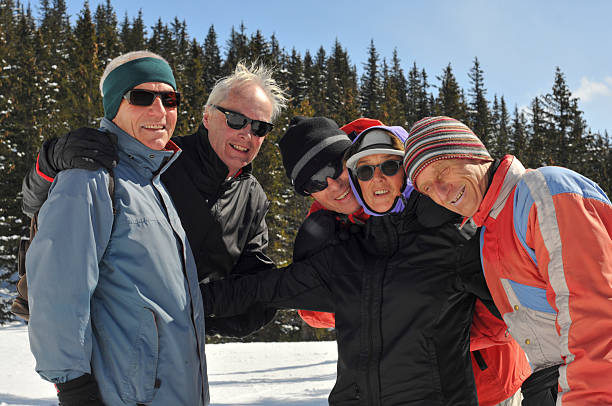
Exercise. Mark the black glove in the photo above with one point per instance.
(242, 325)
(82, 391)
(85, 148)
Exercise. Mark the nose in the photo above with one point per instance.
(378, 173)
(157, 106)
(440, 189)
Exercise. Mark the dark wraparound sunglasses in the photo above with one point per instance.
(237, 121)
(318, 181)
(388, 168)
(141, 97)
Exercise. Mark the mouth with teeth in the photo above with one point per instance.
(381, 192)
(343, 195)
(239, 148)
(154, 126)
(458, 197)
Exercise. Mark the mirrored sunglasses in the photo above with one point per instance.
(237, 121)
(388, 168)
(318, 181)
(141, 97)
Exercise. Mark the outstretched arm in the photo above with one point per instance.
(299, 285)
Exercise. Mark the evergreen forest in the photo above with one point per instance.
(49, 76)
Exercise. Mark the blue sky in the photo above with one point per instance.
(518, 43)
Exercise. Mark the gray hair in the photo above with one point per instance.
(256, 73)
(124, 58)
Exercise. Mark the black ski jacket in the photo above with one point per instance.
(224, 219)
(403, 313)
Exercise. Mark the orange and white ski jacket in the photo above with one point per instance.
(546, 251)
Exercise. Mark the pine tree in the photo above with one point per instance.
(259, 49)
(237, 49)
(211, 60)
(193, 91)
(537, 155)
(393, 112)
(416, 96)
(84, 73)
(341, 86)
(132, 35)
(557, 110)
(295, 80)
(315, 73)
(518, 139)
(479, 116)
(107, 33)
(371, 85)
(450, 101)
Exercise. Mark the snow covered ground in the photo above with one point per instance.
(257, 374)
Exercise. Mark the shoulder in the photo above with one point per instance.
(555, 181)
(80, 182)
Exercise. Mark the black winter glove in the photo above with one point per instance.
(82, 391)
(256, 317)
(85, 148)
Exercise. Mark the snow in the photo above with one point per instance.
(257, 374)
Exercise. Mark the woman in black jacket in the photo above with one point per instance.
(396, 285)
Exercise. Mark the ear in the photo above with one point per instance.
(205, 117)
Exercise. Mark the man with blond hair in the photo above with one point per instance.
(221, 205)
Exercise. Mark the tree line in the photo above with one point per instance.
(49, 85)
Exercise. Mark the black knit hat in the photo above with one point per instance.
(309, 144)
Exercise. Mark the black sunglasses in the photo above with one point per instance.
(237, 121)
(318, 181)
(388, 168)
(141, 97)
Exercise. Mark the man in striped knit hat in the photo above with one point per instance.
(546, 251)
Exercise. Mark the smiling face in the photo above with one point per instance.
(338, 195)
(237, 148)
(151, 125)
(380, 192)
(457, 184)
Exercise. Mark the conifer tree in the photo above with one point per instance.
(518, 138)
(193, 90)
(132, 34)
(479, 116)
(557, 111)
(341, 86)
(415, 96)
(84, 72)
(295, 80)
(537, 154)
(237, 49)
(259, 49)
(371, 85)
(315, 75)
(107, 33)
(211, 60)
(450, 101)
(391, 107)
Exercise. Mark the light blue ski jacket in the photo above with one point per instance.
(117, 295)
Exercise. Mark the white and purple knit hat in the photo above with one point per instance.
(434, 138)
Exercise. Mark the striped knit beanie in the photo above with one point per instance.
(434, 138)
(308, 145)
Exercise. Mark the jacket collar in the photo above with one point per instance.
(505, 178)
(144, 159)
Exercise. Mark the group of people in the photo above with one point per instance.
(451, 277)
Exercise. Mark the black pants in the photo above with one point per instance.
(540, 389)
